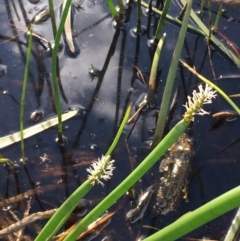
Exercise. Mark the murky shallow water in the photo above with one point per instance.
(114, 53)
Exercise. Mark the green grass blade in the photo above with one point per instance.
(24, 90)
(33, 130)
(122, 188)
(164, 108)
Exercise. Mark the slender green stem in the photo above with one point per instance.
(222, 93)
(59, 218)
(9, 162)
(125, 185)
(24, 90)
(121, 7)
(199, 217)
(54, 68)
(120, 130)
(114, 12)
(171, 77)
(161, 21)
(51, 8)
(219, 14)
(154, 71)
(202, 6)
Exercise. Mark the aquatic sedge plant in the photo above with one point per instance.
(100, 170)
(194, 106)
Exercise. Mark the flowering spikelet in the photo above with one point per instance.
(195, 103)
(100, 169)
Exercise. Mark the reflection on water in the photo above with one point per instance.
(121, 65)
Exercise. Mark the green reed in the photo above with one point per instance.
(53, 19)
(161, 20)
(154, 71)
(114, 12)
(24, 91)
(54, 69)
(219, 14)
(167, 94)
(200, 216)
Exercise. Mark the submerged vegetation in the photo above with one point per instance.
(169, 138)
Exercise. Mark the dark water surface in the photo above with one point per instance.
(115, 53)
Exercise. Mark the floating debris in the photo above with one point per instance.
(3, 69)
(175, 170)
(82, 208)
(137, 213)
(41, 16)
(37, 115)
(227, 115)
(71, 43)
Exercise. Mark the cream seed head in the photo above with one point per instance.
(101, 169)
(198, 99)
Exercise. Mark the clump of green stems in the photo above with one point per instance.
(59, 218)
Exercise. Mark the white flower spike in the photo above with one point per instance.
(101, 169)
(195, 103)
